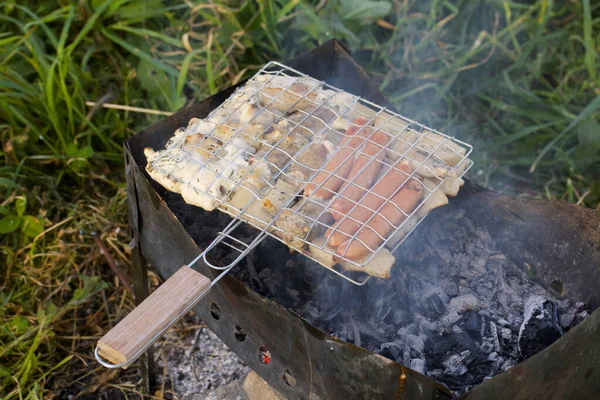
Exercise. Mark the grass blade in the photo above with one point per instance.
(142, 32)
(587, 111)
(185, 65)
(65, 33)
(138, 53)
(590, 53)
(209, 69)
(524, 133)
(88, 26)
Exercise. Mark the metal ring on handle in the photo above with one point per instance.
(106, 363)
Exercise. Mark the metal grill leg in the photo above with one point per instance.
(140, 268)
(140, 285)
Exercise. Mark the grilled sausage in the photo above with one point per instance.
(378, 229)
(340, 164)
(361, 181)
(387, 185)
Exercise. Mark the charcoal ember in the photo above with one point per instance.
(451, 289)
(581, 313)
(373, 332)
(540, 326)
(460, 383)
(456, 329)
(393, 350)
(434, 305)
(472, 324)
(494, 336)
(425, 325)
(440, 348)
(458, 306)
(493, 356)
(566, 320)
(462, 371)
(406, 358)
(495, 365)
(464, 303)
(415, 343)
(579, 317)
(483, 286)
(443, 344)
(437, 374)
(418, 364)
(508, 364)
(487, 346)
(457, 364)
(386, 332)
(271, 282)
(505, 336)
(515, 322)
(502, 300)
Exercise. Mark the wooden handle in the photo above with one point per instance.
(154, 314)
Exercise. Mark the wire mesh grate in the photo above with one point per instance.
(330, 174)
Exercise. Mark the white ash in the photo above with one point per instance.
(418, 364)
(457, 307)
(198, 364)
(455, 365)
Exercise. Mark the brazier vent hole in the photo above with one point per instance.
(558, 287)
(264, 355)
(215, 311)
(288, 378)
(239, 333)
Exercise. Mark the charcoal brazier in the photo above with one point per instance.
(324, 367)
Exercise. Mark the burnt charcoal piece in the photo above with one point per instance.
(442, 344)
(455, 342)
(415, 343)
(435, 306)
(457, 364)
(393, 350)
(540, 327)
(461, 382)
(472, 324)
(418, 365)
(487, 346)
(451, 289)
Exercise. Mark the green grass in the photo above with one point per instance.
(518, 79)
